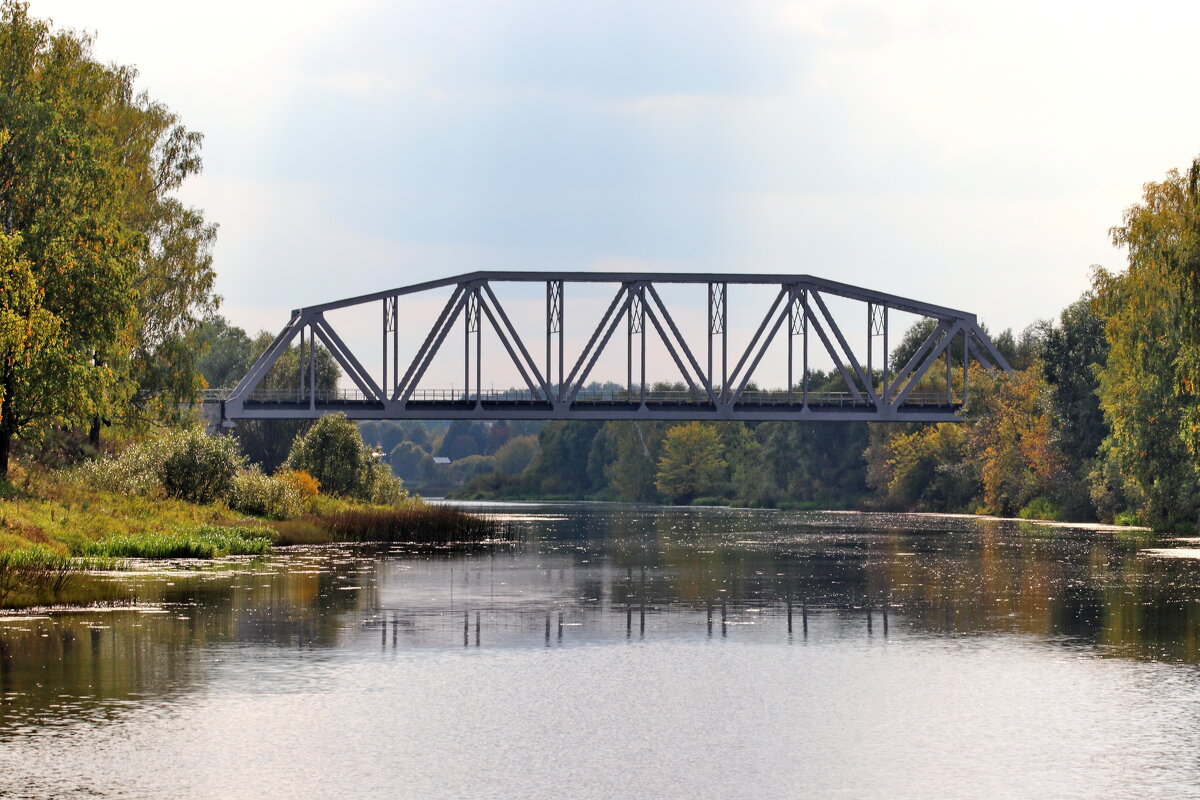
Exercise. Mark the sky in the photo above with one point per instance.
(972, 155)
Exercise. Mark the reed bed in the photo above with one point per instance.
(417, 525)
(205, 541)
(37, 572)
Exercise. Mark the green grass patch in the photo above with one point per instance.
(206, 541)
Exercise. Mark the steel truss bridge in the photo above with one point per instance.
(720, 385)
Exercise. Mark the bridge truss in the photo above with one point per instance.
(718, 384)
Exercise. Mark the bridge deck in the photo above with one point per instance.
(817, 407)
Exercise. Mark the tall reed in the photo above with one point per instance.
(420, 525)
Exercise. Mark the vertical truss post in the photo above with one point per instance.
(474, 327)
(636, 318)
(886, 355)
(641, 312)
(554, 324)
(717, 317)
(966, 363)
(877, 319)
(390, 325)
(949, 367)
(312, 368)
(804, 344)
(797, 326)
(300, 367)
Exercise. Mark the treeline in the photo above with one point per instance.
(1031, 443)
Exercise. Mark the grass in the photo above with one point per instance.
(206, 541)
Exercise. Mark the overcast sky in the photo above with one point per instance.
(972, 155)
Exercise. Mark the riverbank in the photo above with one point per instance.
(54, 526)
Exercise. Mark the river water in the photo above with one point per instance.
(618, 651)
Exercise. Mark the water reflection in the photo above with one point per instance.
(588, 575)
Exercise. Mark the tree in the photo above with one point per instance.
(633, 470)
(561, 466)
(1073, 352)
(226, 352)
(86, 171)
(691, 462)
(516, 454)
(406, 460)
(1010, 437)
(333, 452)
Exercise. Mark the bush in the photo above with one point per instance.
(186, 464)
(1041, 508)
(278, 497)
(136, 471)
(305, 484)
(332, 451)
(199, 468)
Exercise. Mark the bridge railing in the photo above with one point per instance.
(593, 397)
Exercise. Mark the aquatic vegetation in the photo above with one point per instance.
(35, 571)
(422, 524)
(206, 541)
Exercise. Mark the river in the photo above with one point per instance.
(632, 652)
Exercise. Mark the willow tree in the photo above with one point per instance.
(113, 266)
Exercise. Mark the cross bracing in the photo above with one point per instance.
(710, 379)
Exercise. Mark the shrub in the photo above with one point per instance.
(305, 484)
(199, 468)
(1040, 508)
(136, 471)
(186, 464)
(332, 451)
(278, 497)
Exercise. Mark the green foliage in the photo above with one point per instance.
(463, 438)
(1041, 508)
(261, 495)
(633, 471)
(924, 467)
(104, 269)
(691, 462)
(1148, 387)
(198, 468)
(516, 454)
(406, 460)
(333, 452)
(227, 352)
(185, 464)
(207, 541)
(561, 466)
(1073, 353)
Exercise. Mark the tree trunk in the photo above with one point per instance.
(5, 441)
(94, 432)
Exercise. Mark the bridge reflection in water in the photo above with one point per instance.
(704, 378)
